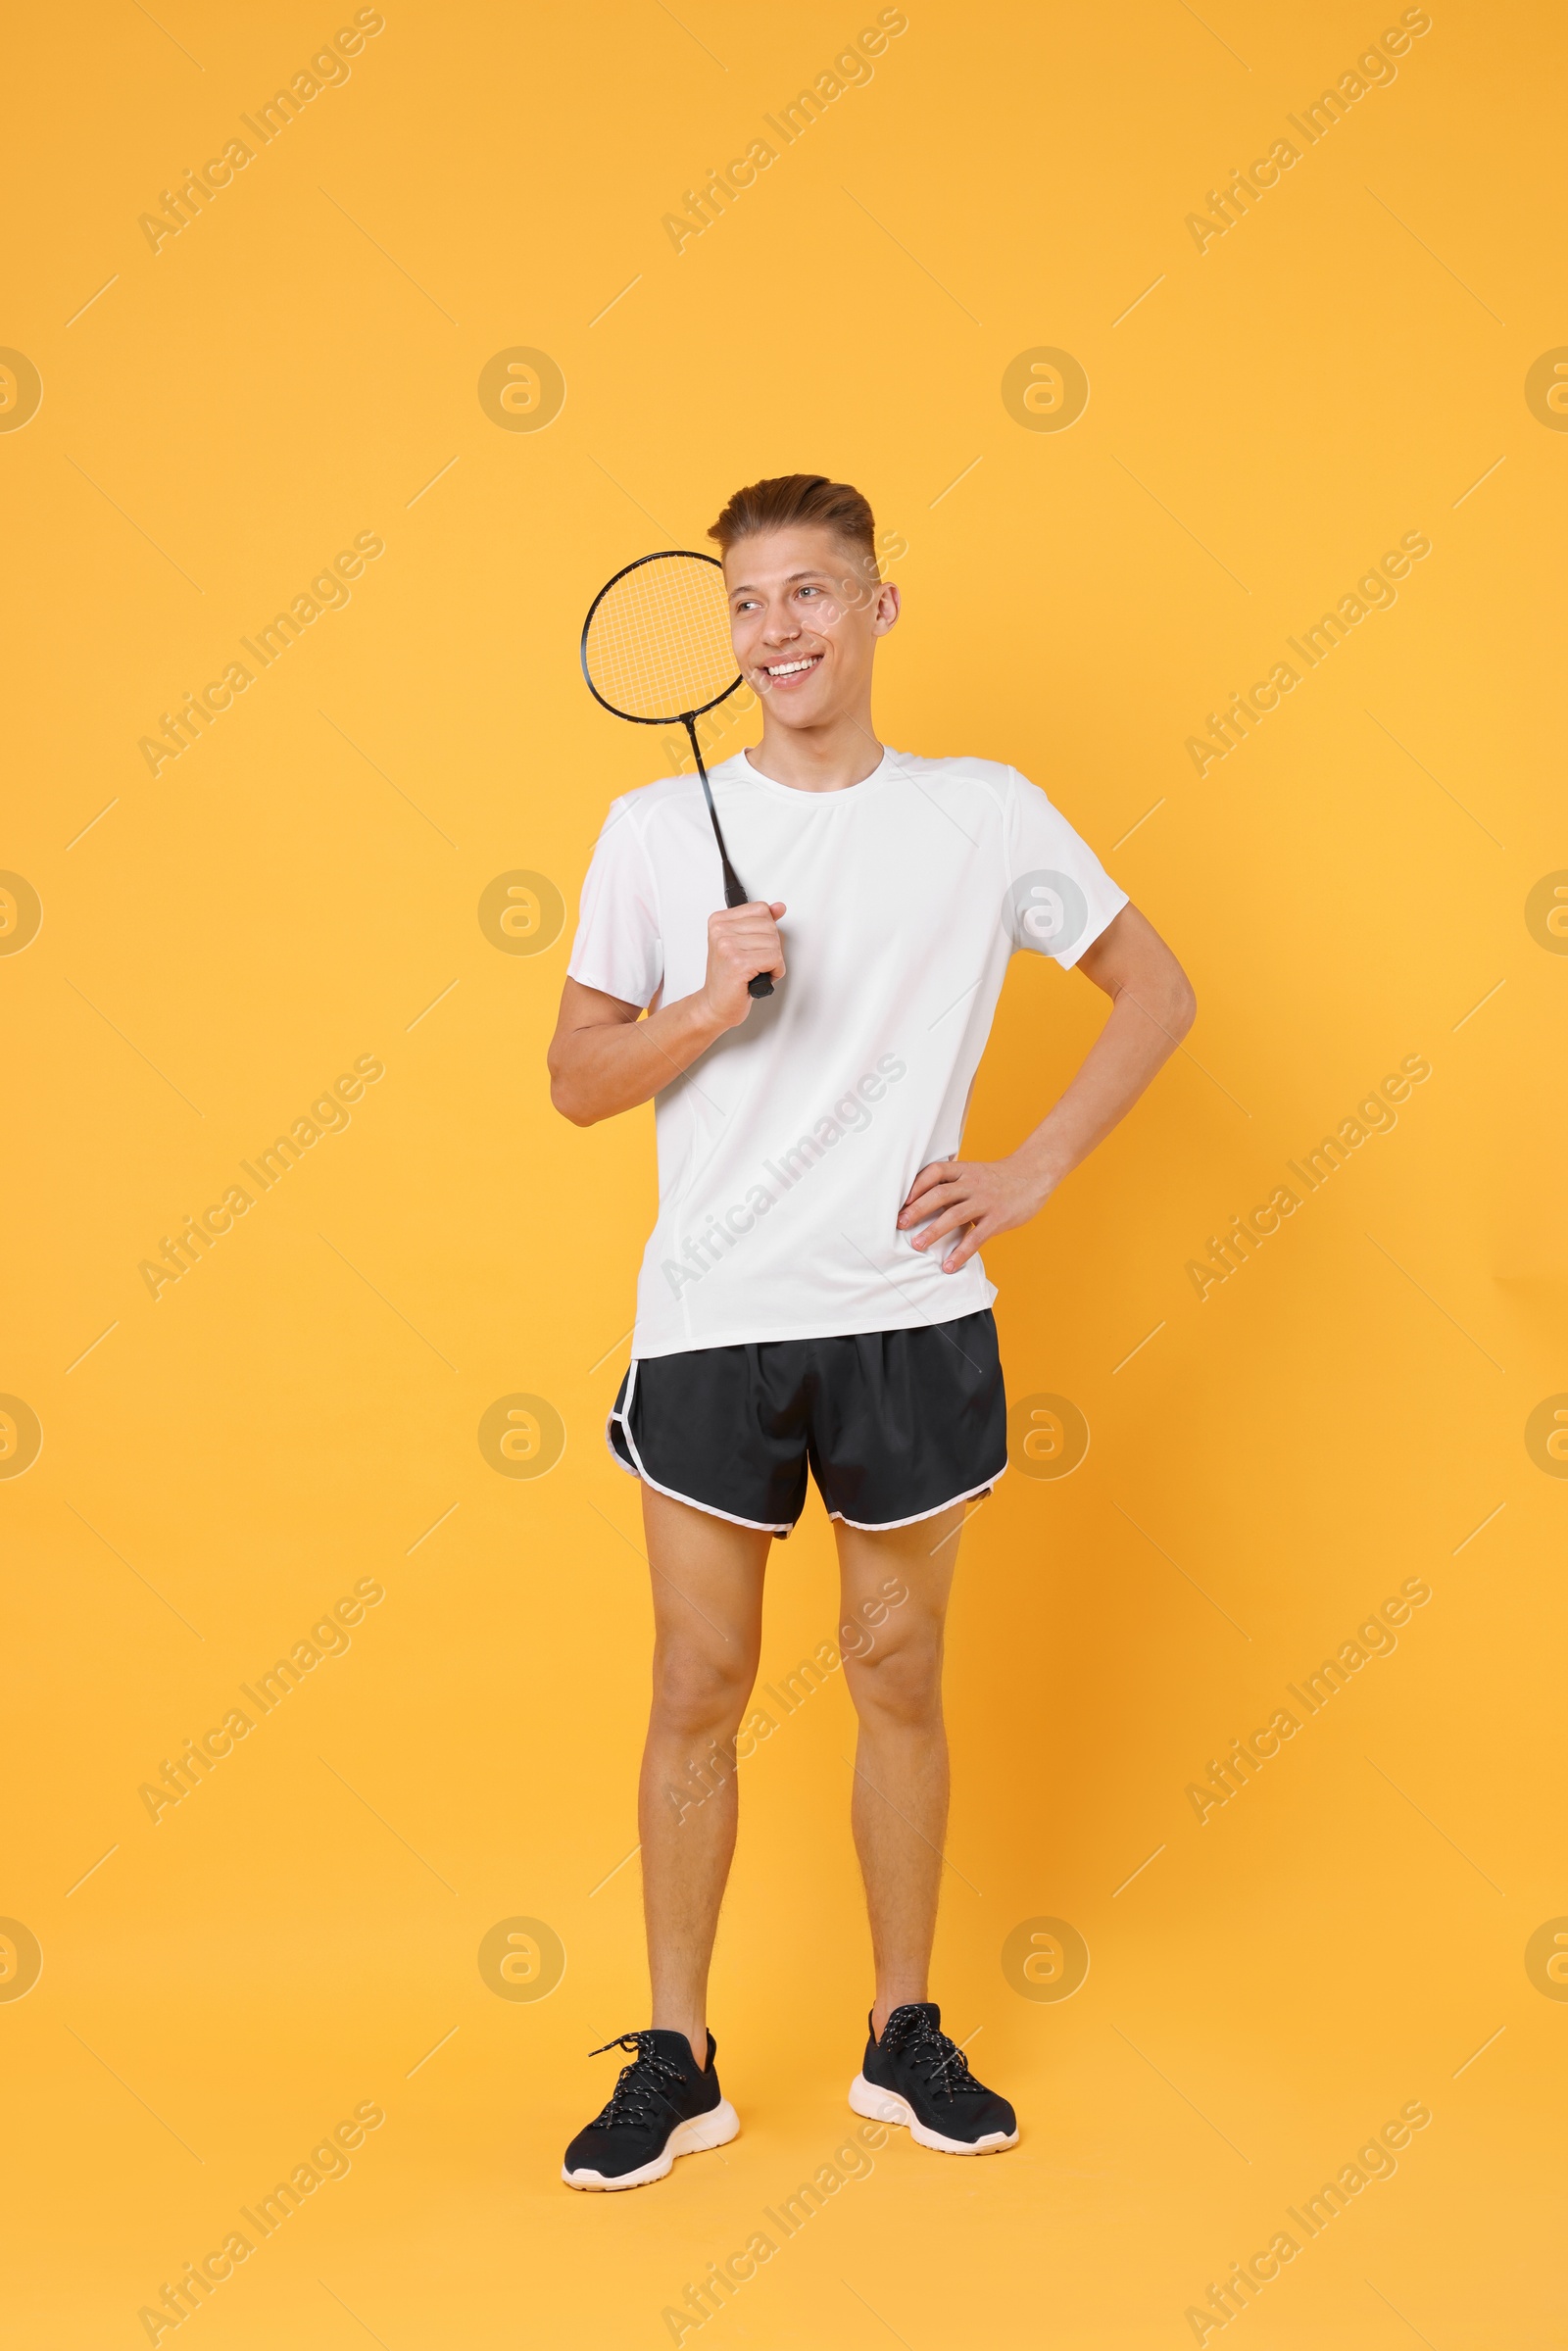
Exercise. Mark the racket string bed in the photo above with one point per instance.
(655, 649)
(658, 643)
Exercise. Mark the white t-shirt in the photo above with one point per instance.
(788, 1148)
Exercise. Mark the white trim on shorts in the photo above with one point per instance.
(886, 1526)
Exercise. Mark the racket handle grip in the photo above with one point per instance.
(762, 986)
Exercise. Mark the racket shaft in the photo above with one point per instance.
(734, 889)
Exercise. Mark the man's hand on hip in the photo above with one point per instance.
(986, 1195)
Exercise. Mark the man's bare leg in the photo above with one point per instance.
(707, 1619)
(899, 1809)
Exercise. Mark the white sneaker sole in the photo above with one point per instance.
(886, 2106)
(691, 2138)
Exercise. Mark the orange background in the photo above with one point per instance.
(299, 1414)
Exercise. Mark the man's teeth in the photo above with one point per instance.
(789, 668)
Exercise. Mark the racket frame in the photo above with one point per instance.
(735, 892)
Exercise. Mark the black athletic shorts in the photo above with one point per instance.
(894, 1425)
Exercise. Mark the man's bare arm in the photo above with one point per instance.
(1152, 1006)
(603, 1058)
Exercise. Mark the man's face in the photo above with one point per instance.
(805, 617)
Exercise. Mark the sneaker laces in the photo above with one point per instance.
(940, 2059)
(640, 2098)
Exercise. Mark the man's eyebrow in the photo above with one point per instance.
(816, 571)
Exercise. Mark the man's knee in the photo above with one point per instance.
(700, 1689)
(900, 1681)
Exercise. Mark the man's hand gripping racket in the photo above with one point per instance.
(655, 649)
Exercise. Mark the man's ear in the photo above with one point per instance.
(887, 609)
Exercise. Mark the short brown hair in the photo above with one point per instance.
(790, 497)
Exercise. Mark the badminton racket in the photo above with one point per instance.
(657, 651)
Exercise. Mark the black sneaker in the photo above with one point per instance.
(916, 2074)
(662, 2105)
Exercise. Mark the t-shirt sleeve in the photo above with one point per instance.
(1060, 895)
(618, 947)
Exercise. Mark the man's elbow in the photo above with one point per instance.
(1183, 1006)
(568, 1096)
(1165, 994)
(566, 1103)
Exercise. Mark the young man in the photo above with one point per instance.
(812, 1294)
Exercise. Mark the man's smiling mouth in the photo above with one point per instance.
(791, 668)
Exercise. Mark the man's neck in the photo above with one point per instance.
(831, 757)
